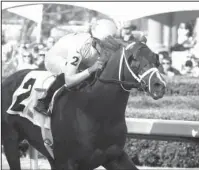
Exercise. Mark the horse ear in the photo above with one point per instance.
(157, 60)
(139, 36)
(143, 39)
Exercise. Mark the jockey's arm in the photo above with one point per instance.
(70, 72)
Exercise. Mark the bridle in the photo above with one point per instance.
(140, 78)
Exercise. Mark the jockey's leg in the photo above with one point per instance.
(43, 104)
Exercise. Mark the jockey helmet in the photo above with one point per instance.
(103, 28)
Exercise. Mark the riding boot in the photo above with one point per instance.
(43, 104)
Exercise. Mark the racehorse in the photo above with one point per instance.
(88, 124)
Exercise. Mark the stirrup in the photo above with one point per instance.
(41, 90)
(40, 109)
(43, 112)
(48, 142)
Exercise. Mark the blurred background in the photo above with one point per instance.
(28, 32)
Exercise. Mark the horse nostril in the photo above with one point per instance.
(157, 85)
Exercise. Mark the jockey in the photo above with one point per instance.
(75, 52)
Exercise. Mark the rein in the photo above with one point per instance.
(115, 81)
(111, 81)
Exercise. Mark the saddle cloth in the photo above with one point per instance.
(25, 97)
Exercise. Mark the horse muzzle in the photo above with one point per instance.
(157, 91)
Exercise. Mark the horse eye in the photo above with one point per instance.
(157, 64)
(135, 64)
(130, 59)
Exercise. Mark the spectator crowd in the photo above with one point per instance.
(185, 46)
(31, 56)
(189, 68)
(16, 56)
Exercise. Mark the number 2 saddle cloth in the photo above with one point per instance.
(25, 97)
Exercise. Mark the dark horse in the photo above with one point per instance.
(88, 125)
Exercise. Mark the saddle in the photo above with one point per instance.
(63, 90)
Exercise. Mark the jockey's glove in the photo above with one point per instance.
(97, 66)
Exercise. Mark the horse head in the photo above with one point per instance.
(135, 66)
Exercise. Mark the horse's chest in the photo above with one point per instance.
(100, 143)
(98, 134)
(110, 134)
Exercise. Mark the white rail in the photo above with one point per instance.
(163, 129)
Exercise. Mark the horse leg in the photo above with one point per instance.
(11, 148)
(32, 133)
(68, 165)
(121, 163)
(43, 150)
(39, 145)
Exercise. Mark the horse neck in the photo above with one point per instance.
(111, 93)
(111, 71)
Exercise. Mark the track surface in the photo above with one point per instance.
(44, 165)
(25, 163)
